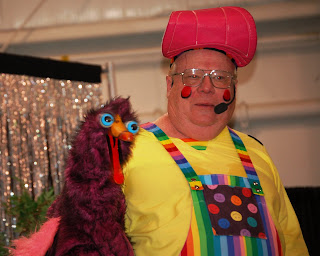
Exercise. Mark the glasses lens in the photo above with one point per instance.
(192, 77)
(221, 79)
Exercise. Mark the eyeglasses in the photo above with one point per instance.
(219, 78)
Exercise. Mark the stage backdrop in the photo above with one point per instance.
(39, 115)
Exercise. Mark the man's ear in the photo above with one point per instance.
(169, 81)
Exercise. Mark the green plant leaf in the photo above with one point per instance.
(29, 213)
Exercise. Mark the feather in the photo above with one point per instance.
(39, 242)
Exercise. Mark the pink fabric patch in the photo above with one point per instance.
(212, 186)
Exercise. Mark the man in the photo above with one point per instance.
(194, 186)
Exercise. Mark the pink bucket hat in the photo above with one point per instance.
(228, 29)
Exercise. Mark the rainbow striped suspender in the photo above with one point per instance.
(196, 188)
(247, 164)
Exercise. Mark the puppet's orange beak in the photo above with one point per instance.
(119, 130)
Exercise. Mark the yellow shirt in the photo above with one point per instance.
(158, 197)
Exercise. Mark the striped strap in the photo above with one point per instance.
(196, 144)
(186, 168)
(196, 188)
(247, 164)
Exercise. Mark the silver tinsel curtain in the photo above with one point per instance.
(38, 119)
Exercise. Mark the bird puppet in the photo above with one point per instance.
(87, 218)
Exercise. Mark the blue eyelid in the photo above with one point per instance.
(106, 120)
(132, 127)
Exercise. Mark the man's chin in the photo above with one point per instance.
(204, 121)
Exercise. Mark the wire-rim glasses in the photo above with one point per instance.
(193, 77)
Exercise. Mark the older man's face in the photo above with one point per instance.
(198, 109)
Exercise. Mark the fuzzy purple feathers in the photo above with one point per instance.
(92, 206)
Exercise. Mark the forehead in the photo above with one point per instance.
(204, 59)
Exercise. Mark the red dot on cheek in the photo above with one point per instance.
(186, 92)
(226, 95)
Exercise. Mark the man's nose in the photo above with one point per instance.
(206, 85)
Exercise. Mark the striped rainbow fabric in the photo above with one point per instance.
(174, 152)
(246, 163)
(221, 179)
(196, 144)
(201, 240)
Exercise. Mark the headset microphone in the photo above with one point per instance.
(220, 108)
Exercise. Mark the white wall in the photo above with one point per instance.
(284, 94)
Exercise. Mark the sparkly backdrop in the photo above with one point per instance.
(38, 117)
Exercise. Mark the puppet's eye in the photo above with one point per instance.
(106, 120)
(132, 127)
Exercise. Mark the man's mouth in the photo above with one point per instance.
(205, 105)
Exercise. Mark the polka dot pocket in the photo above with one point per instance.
(233, 211)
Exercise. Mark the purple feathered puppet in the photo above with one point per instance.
(88, 216)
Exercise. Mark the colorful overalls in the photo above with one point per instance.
(230, 216)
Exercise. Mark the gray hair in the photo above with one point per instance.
(173, 68)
